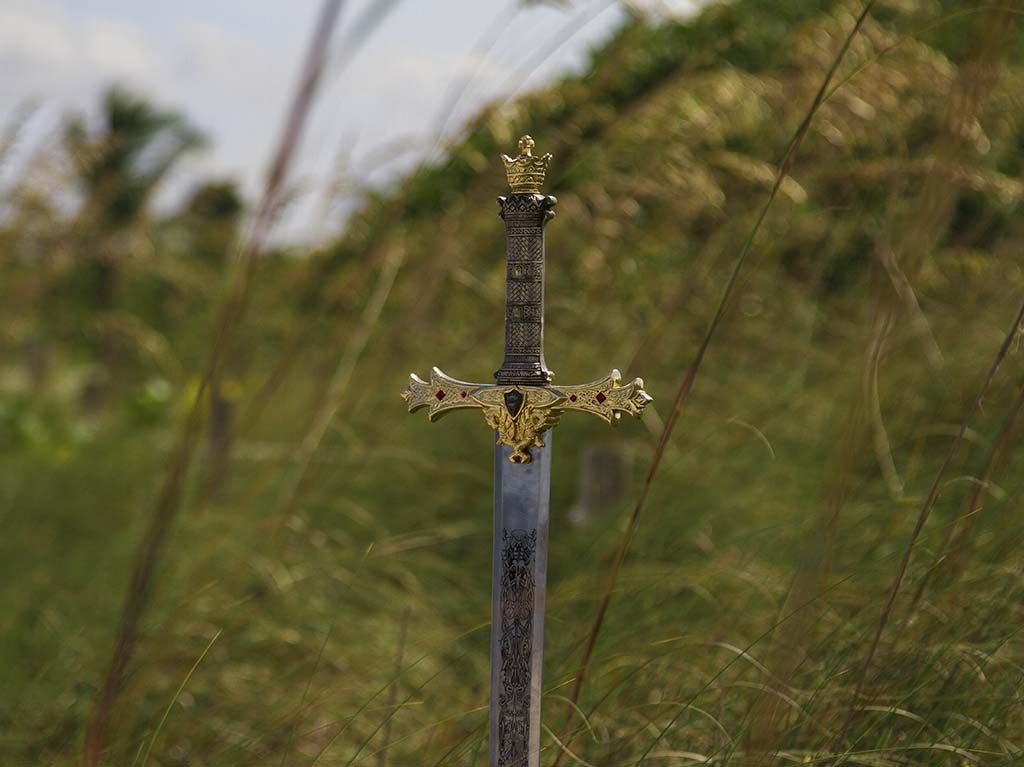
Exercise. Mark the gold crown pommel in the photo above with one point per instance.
(526, 173)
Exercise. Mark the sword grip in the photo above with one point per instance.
(525, 216)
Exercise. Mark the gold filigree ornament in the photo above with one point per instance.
(521, 414)
(525, 173)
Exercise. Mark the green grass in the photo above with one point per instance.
(755, 582)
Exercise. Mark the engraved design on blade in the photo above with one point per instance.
(516, 645)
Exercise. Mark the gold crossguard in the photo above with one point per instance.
(521, 414)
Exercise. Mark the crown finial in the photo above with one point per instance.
(526, 172)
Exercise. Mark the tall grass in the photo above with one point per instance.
(231, 314)
(781, 599)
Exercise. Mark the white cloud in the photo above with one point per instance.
(37, 37)
(36, 48)
(45, 55)
(113, 50)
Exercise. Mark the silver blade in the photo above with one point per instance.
(521, 493)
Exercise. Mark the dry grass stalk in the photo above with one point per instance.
(169, 499)
(691, 373)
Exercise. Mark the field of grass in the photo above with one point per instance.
(323, 592)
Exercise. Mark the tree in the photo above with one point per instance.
(119, 164)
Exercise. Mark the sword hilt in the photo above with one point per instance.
(523, 404)
(521, 415)
(525, 212)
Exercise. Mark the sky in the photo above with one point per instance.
(230, 67)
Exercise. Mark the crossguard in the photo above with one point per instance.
(521, 414)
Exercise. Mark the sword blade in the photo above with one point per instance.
(521, 495)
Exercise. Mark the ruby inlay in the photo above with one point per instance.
(572, 397)
(440, 394)
(600, 398)
(462, 394)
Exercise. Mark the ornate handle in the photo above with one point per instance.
(525, 213)
(522, 405)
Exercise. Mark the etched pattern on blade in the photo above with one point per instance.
(517, 594)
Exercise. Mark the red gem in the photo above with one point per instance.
(572, 397)
(440, 394)
(462, 394)
(600, 398)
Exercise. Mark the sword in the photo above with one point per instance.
(522, 407)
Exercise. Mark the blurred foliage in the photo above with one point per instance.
(881, 286)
